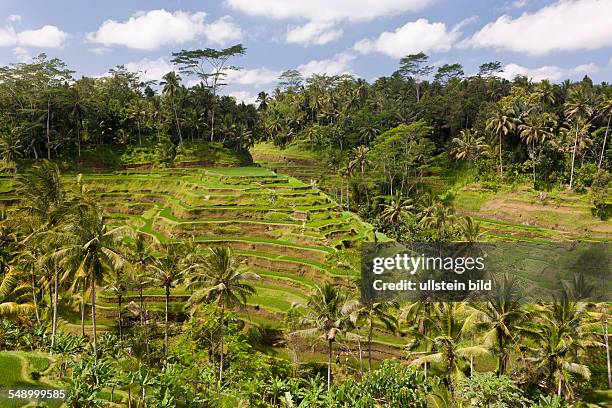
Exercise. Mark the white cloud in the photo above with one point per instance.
(156, 28)
(45, 37)
(411, 38)
(550, 72)
(14, 18)
(256, 77)
(151, 70)
(326, 10)
(22, 54)
(314, 32)
(338, 65)
(223, 31)
(100, 50)
(563, 26)
(243, 96)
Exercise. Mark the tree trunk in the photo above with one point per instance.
(603, 148)
(501, 165)
(221, 349)
(93, 314)
(78, 139)
(166, 326)
(533, 157)
(34, 297)
(48, 128)
(178, 126)
(83, 309)
(55, 300)
(370, 345)
(608, 355)
(360, 359)
(472, 359)
(329, 363)
(574, 157)
(119, 298)
(212, 120)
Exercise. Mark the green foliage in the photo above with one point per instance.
(489, 390)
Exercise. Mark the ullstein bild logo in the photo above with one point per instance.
(483, 271)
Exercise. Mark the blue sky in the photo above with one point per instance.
(538, 38)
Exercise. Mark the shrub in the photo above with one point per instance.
(488, 390)
(601, 190)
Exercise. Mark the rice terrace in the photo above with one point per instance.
(192, 227)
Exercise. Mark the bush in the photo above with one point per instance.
(601, 190)
(488, 390)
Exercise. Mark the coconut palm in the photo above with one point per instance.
(325, 318)
(470, 229)
(399, 208)
(452, 326)
(168, 272)
(469, 146)
(535, 130)
(577, 109)
(116, 283)
(139, 254)
(14, 295)
(222, 280)
(560, 334)
(368, 313)
(360, 161)
(605, 109)
(171, 86)
(501, 123)
(500, 317)
(88, 249)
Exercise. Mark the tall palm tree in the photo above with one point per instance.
(89, 249)
(168, 272)
(368, 313)
(535, 130)
(578, 109)
(222, 280)
(362, 162)
(469, 146)
(605, 109)
(14, 296)
(325, 318)
(171, 86)
(470, 229)
(116, 283)
(398, 209)
(560, 333)
(500, 316)
(501, 123)
(140, 256)
(452, 326)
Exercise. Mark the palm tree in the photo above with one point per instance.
(501, 123)
(171, 85)
(560, 334)
(11, 147)
(469, 146)
(367, 313)
(140, 256)
(14, 296)
(168, 272)
(578, 109)
(605, 109)
(89, 249)
(470, 229)
(501, 316)
(361, 161)
(452, 325)
(223, 281)
(535, 130)
(116, 283)
(399, 208)
(325, 317)
(367, 133)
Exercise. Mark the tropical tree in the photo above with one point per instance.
(221, 279)
(368, 313)
(501, 123)
(14, 296)
(394, 212)
(171, 86)
(500, 317)
(360, 161)
(578, 109)
(89, 249)
(469, 146)
(168, 272)
(605, 109)
(535, 130)
(325, 318)
(470, 229)
(116, 283)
